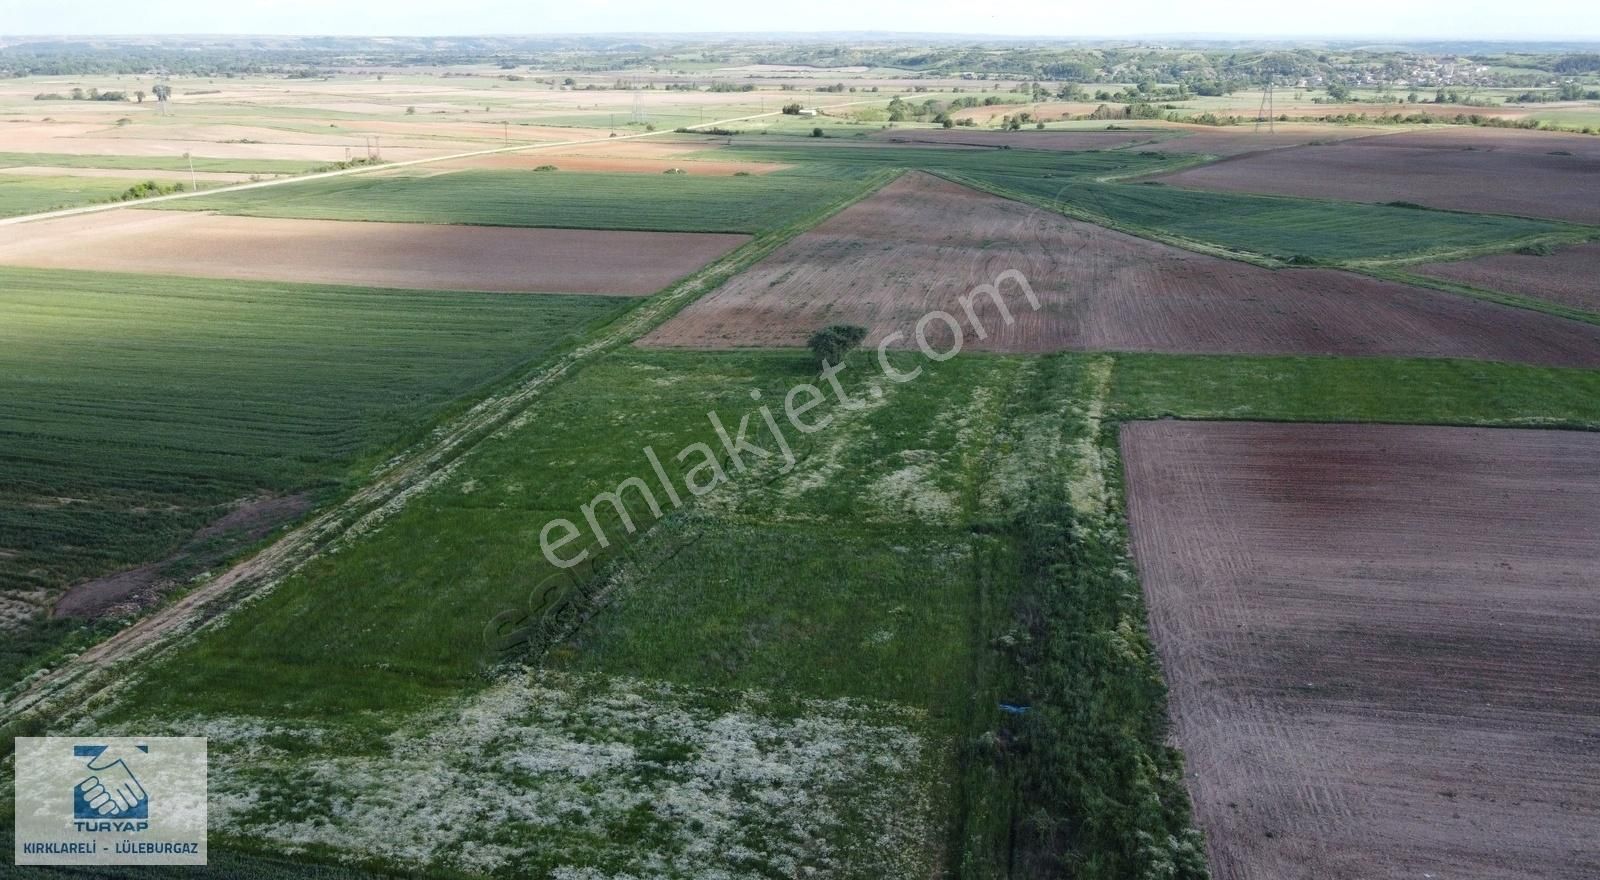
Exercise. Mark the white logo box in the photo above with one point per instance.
(111, 800)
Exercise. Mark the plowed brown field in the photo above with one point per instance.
(1381, 643)
(922, 241)
(1462, 137)
(1521, 182)
(1235, 139)
(405, 255)
(1570, 276)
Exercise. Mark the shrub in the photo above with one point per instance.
(832, 343)
(546, 168)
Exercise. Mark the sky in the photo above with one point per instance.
(1428, 19)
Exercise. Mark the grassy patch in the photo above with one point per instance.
(873, 614)
(32, 195)
(1417, 391)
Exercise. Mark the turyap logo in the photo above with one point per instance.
(112, 791)
(111, 801)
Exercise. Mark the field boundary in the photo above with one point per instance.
(394, 484)
(390, 166)
(1494, 296)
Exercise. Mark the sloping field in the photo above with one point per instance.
(400, 255)
(889, 260)
(1518, 182)
(1570, 276)
(1379, 642)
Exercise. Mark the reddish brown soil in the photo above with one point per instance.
(1381, 643)
(1520, 182)
(1570, 276)
(922, 241)
(1234, 140)
(403, 255)
(1471, 138)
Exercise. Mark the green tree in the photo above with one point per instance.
(832, 343)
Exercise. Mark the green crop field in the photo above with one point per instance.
(32, 195)
(1042, 164)
(156, 163)
(137, 407)
(1284, 228)
(651, 202)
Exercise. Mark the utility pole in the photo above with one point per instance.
(194, 184)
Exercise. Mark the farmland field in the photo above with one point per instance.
(532, 498)
(892, 258)
(32, 195)
(1274, 226)
(1269, 226)
(571, 200)
(1566, 277)
(1520, 183)
(1377, 639)
(141, 408)
(400, 255)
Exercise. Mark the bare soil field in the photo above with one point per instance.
(402, 255)
(888, 260)
(1484, 181)
(1025, 140)
(1463, 137)
(1570, 276)
(1238, 139)
(1380, 643)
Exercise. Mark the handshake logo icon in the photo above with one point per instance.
(110, 800)
(110, 790)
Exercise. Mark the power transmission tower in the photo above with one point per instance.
(638, 103)
(1266, 113)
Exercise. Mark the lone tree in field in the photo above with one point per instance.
(162, 91)
(832, 343)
